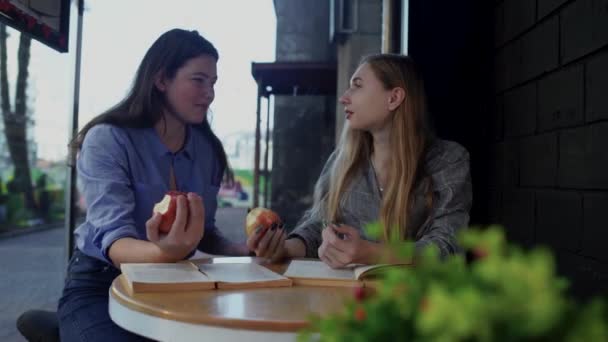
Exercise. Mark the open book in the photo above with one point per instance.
(317, 273)
(191, 276)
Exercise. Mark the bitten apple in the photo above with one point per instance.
(261, 217)
(167, 208)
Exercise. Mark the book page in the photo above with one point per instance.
(362, 271)
(162, 273)
(365, 271)
(239, 273)
(314, 269)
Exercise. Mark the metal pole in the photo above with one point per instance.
(71, 194)
(256, 161)
(391, 26)
(266, 172)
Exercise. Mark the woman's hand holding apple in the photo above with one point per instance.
(265, 234)
(177, 224)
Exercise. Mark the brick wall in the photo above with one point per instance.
(548, 166)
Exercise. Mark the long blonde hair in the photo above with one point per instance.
(409, 137)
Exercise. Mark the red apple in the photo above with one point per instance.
(261, 217)
(167, 208)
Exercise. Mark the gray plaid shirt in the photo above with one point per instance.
(446, 162)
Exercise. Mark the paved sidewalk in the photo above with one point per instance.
(13, 232)
(32, 268)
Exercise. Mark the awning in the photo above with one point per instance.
(295, 78)
(287, 79)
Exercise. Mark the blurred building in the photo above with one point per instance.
(239, 149)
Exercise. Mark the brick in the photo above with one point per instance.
(587, 277)
(576, 29)
(559, 219)
(504, 165)
(519, 16)
(520, 111)
(503, 171)
(560, 99)
(574, 153)
(583, 161)
(595, 232)
(597, 83)
(584, 28)
(539, 160)
(518, 212)
(508, 65)
(547, 6)
(600, 22)
(540, 49)
(512, 162)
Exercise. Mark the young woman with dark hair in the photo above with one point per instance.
(155, 140)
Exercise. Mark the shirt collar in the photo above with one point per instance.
(161, 150)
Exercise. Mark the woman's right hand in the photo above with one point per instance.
(187, 229)
(269, 243)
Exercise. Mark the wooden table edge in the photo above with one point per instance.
(246, 324)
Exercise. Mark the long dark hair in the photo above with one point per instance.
(143, 106)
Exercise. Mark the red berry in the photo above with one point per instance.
(359, 293)
(360, 314)
(480, 252)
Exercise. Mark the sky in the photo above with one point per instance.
(116, 35)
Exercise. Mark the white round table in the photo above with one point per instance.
(247, 315)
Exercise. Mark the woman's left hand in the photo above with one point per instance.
(343, 245)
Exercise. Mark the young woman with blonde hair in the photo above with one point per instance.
(387, 167)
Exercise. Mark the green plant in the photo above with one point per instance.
(503, 294)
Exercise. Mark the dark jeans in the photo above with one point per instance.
(83, 307)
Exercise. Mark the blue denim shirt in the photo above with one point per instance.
(123, 172)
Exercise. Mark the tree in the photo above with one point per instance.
(15, 121)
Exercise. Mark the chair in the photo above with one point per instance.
(39, 326)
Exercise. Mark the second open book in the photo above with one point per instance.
(317, 273)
